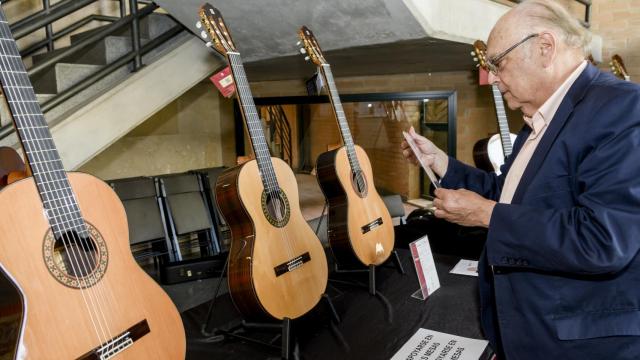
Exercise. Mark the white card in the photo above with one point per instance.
(465, 267)
(416, 151)
(431, 345)
(425, 266)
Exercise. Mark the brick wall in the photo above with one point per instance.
(618, 22)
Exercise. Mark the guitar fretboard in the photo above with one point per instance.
(503, 124)
(254, 124)
(342, 120)
(51, 180)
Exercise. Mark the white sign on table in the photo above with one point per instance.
(465, 267)
(425, 268)
(431, 345)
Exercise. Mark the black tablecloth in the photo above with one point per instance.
(372, 327)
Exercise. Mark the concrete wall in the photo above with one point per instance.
(194, 131)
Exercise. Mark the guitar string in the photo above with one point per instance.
(349, 145)
(48, 173)
(34, 110)
(9, 91)
(253, 121)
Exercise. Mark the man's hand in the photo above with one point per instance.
(430, 154)
(463, 207)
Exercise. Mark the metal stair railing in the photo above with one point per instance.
(282, 131)
(49, 14)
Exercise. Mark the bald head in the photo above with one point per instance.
(536, 16)
(550, 45)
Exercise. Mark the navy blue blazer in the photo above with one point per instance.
(560, 273)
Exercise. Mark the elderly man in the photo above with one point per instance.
(560, 274)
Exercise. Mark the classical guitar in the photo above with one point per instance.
(64, 247)
(489, 153)
(277, 265)
(360, 229)
(618, 68)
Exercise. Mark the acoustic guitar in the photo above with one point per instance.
(359, 227)
(64, 247)
(618, 68)
(489, 154)
(277, 265)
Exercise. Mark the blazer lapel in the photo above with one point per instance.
(574, 95)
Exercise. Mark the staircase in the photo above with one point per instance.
(86, 90)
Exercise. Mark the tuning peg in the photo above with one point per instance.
(477, 65)
(473, 53)
(475, 59)
(303, 51)
(209, 44)
(298, 43)
(203, 34)
(611, 63)
(306, 58)
(199, 25)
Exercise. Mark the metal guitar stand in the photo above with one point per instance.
(289, 349)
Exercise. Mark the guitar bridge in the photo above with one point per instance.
(118, 344)
(292, 264)
(372, 225)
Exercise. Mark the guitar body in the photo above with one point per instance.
(258, 247)
(55, 322)
(488, 154)
(349, 211)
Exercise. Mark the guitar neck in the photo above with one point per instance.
(48, 171)
(503, 124)
(338, 111)
(254, 124)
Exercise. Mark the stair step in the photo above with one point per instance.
(150, 27)
(113, 46)
(61, 76)
(100, 53)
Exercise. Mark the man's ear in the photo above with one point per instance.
(546, 47)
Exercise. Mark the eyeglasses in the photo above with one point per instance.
(494, 62)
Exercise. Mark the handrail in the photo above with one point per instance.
(50, 14)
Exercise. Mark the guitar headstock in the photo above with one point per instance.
(618, 68)
(215, 30)
(310, 46)
(479, 54)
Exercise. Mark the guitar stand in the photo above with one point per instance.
(237, 331)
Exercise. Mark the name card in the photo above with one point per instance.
(433, 345)
(425, 268)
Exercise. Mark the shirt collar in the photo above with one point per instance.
(545, 113)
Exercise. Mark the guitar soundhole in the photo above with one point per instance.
(359, 183)
(74, 260)
(75, 255)
(275, 207)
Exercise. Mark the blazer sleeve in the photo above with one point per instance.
(486, 184)
(600, 233)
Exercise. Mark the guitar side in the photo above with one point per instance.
(257, 247)
(56, 323)
(348, 212)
